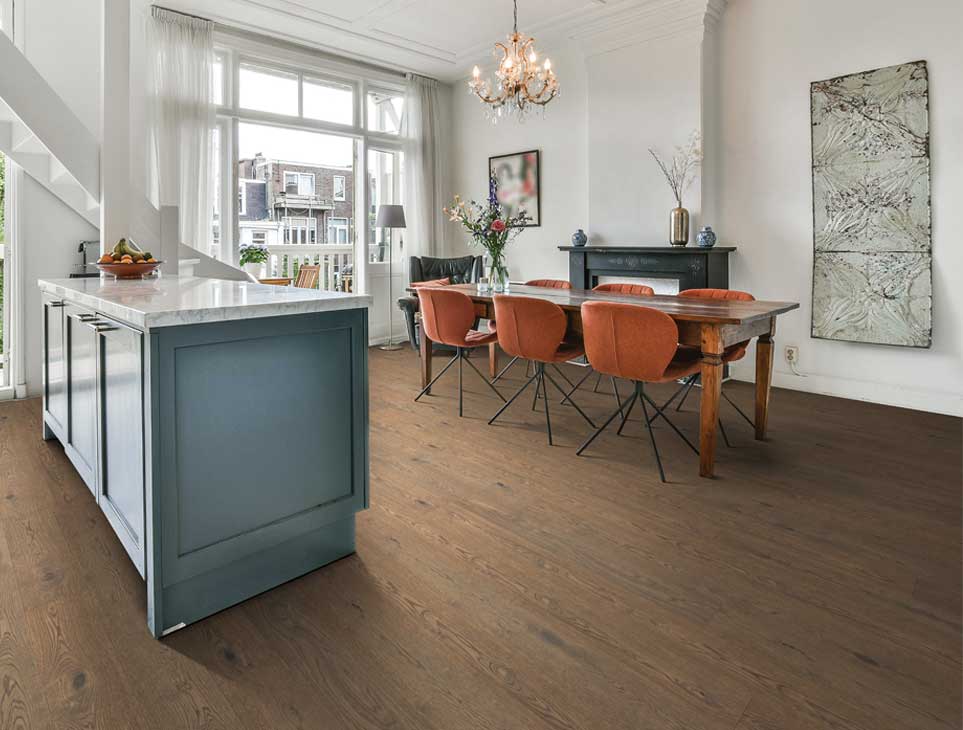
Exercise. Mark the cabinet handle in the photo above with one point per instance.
(57, 304)
(101, 327)
(86, 317)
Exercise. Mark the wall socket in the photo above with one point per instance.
(792, 354)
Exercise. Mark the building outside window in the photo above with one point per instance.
(337, 230)
(339, 188)
(298, 183)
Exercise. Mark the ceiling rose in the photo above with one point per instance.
(520, 82)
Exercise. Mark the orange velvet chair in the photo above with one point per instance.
(732, 353)
(640, 344)
(534, 329)
(447, 316)
(546, 284)
(634, 290)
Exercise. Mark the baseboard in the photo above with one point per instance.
(901, 396)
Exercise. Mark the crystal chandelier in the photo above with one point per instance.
(521, 83)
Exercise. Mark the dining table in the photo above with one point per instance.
(711, 325)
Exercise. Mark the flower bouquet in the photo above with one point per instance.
(491, 228)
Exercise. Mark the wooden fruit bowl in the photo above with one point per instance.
(129, 271)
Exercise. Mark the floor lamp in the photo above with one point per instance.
(390, 216)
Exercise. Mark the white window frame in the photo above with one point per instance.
(390, 92)
(242, 198)
(336, 227)
(243, 48)
(299, 178)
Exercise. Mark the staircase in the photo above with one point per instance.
(40, 133)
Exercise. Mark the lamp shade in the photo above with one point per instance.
(390, 216)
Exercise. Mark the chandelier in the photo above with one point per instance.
(520, 82)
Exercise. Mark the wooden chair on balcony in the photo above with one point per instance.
(308, 276)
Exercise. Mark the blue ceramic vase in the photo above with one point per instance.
(706, 237)
(579, 238)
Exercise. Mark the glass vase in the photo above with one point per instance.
(499, 278)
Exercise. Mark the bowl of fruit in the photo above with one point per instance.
(127, 261)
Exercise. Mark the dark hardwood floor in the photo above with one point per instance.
(503, 584)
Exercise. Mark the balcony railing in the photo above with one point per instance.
(293, 200)
(335, 260)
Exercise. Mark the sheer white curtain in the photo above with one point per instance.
(426, 179)
(180, 85)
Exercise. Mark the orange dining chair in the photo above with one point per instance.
(731, 354)
(534, 329)
(634, 290)
(448, 316)
(545, 284)
(640, 344)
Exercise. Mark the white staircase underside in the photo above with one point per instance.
(43, 136)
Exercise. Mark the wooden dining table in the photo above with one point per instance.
(712, 325)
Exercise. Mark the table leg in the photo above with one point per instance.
(425, 359)
(492, 361)
(764, 353)
(711, 391)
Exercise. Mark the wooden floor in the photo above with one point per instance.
(502, 584)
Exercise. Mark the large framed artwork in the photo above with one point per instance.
(518, 177)
(872, 243)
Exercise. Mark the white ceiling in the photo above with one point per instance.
(439, 38)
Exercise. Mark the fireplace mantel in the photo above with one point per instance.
(692, 267)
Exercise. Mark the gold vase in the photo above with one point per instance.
(679, 227)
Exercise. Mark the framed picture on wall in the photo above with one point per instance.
(518, 178)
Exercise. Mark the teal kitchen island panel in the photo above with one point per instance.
(261, 459)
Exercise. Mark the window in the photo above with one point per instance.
(299, 183)
(385, 111)
(258, 238)
(339, 187)
(383, 186)
(266, 90)
(220, 66)
(328, 101)
(300, 230)
(337, 230)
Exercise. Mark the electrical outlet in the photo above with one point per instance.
(792, 354)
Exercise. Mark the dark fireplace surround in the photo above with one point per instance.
(692, 267)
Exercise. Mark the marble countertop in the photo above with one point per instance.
(170, 301)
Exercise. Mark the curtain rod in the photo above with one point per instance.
(181, 12)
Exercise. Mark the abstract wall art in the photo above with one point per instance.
(872, 278)
(518, 179)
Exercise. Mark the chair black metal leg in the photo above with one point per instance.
(615, 391)
(687, 387)
(435, 379)
(598, 380)
(625, 416)
(538, 390)
(748, 420)
(461, 391)
(562, 374)
(578, 385)
(640, 389)
(548, 420)
(505, 369)
(560, 390)
(486, 381)
(512, 399)
(661, 412)
(598, 431)
(722, 430)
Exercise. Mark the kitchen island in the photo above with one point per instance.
(221, 426)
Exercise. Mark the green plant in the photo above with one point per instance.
(254, 255)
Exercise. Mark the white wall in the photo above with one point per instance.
(560, 136)
(770, 52)
(641, 96)
(63, 41)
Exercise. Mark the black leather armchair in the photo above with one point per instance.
(463, 270)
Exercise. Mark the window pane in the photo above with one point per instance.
(215, 197)
(219, 65)
(383, 187)
(268, 91)
(328, 101)
(290, 180)
(384, 111)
